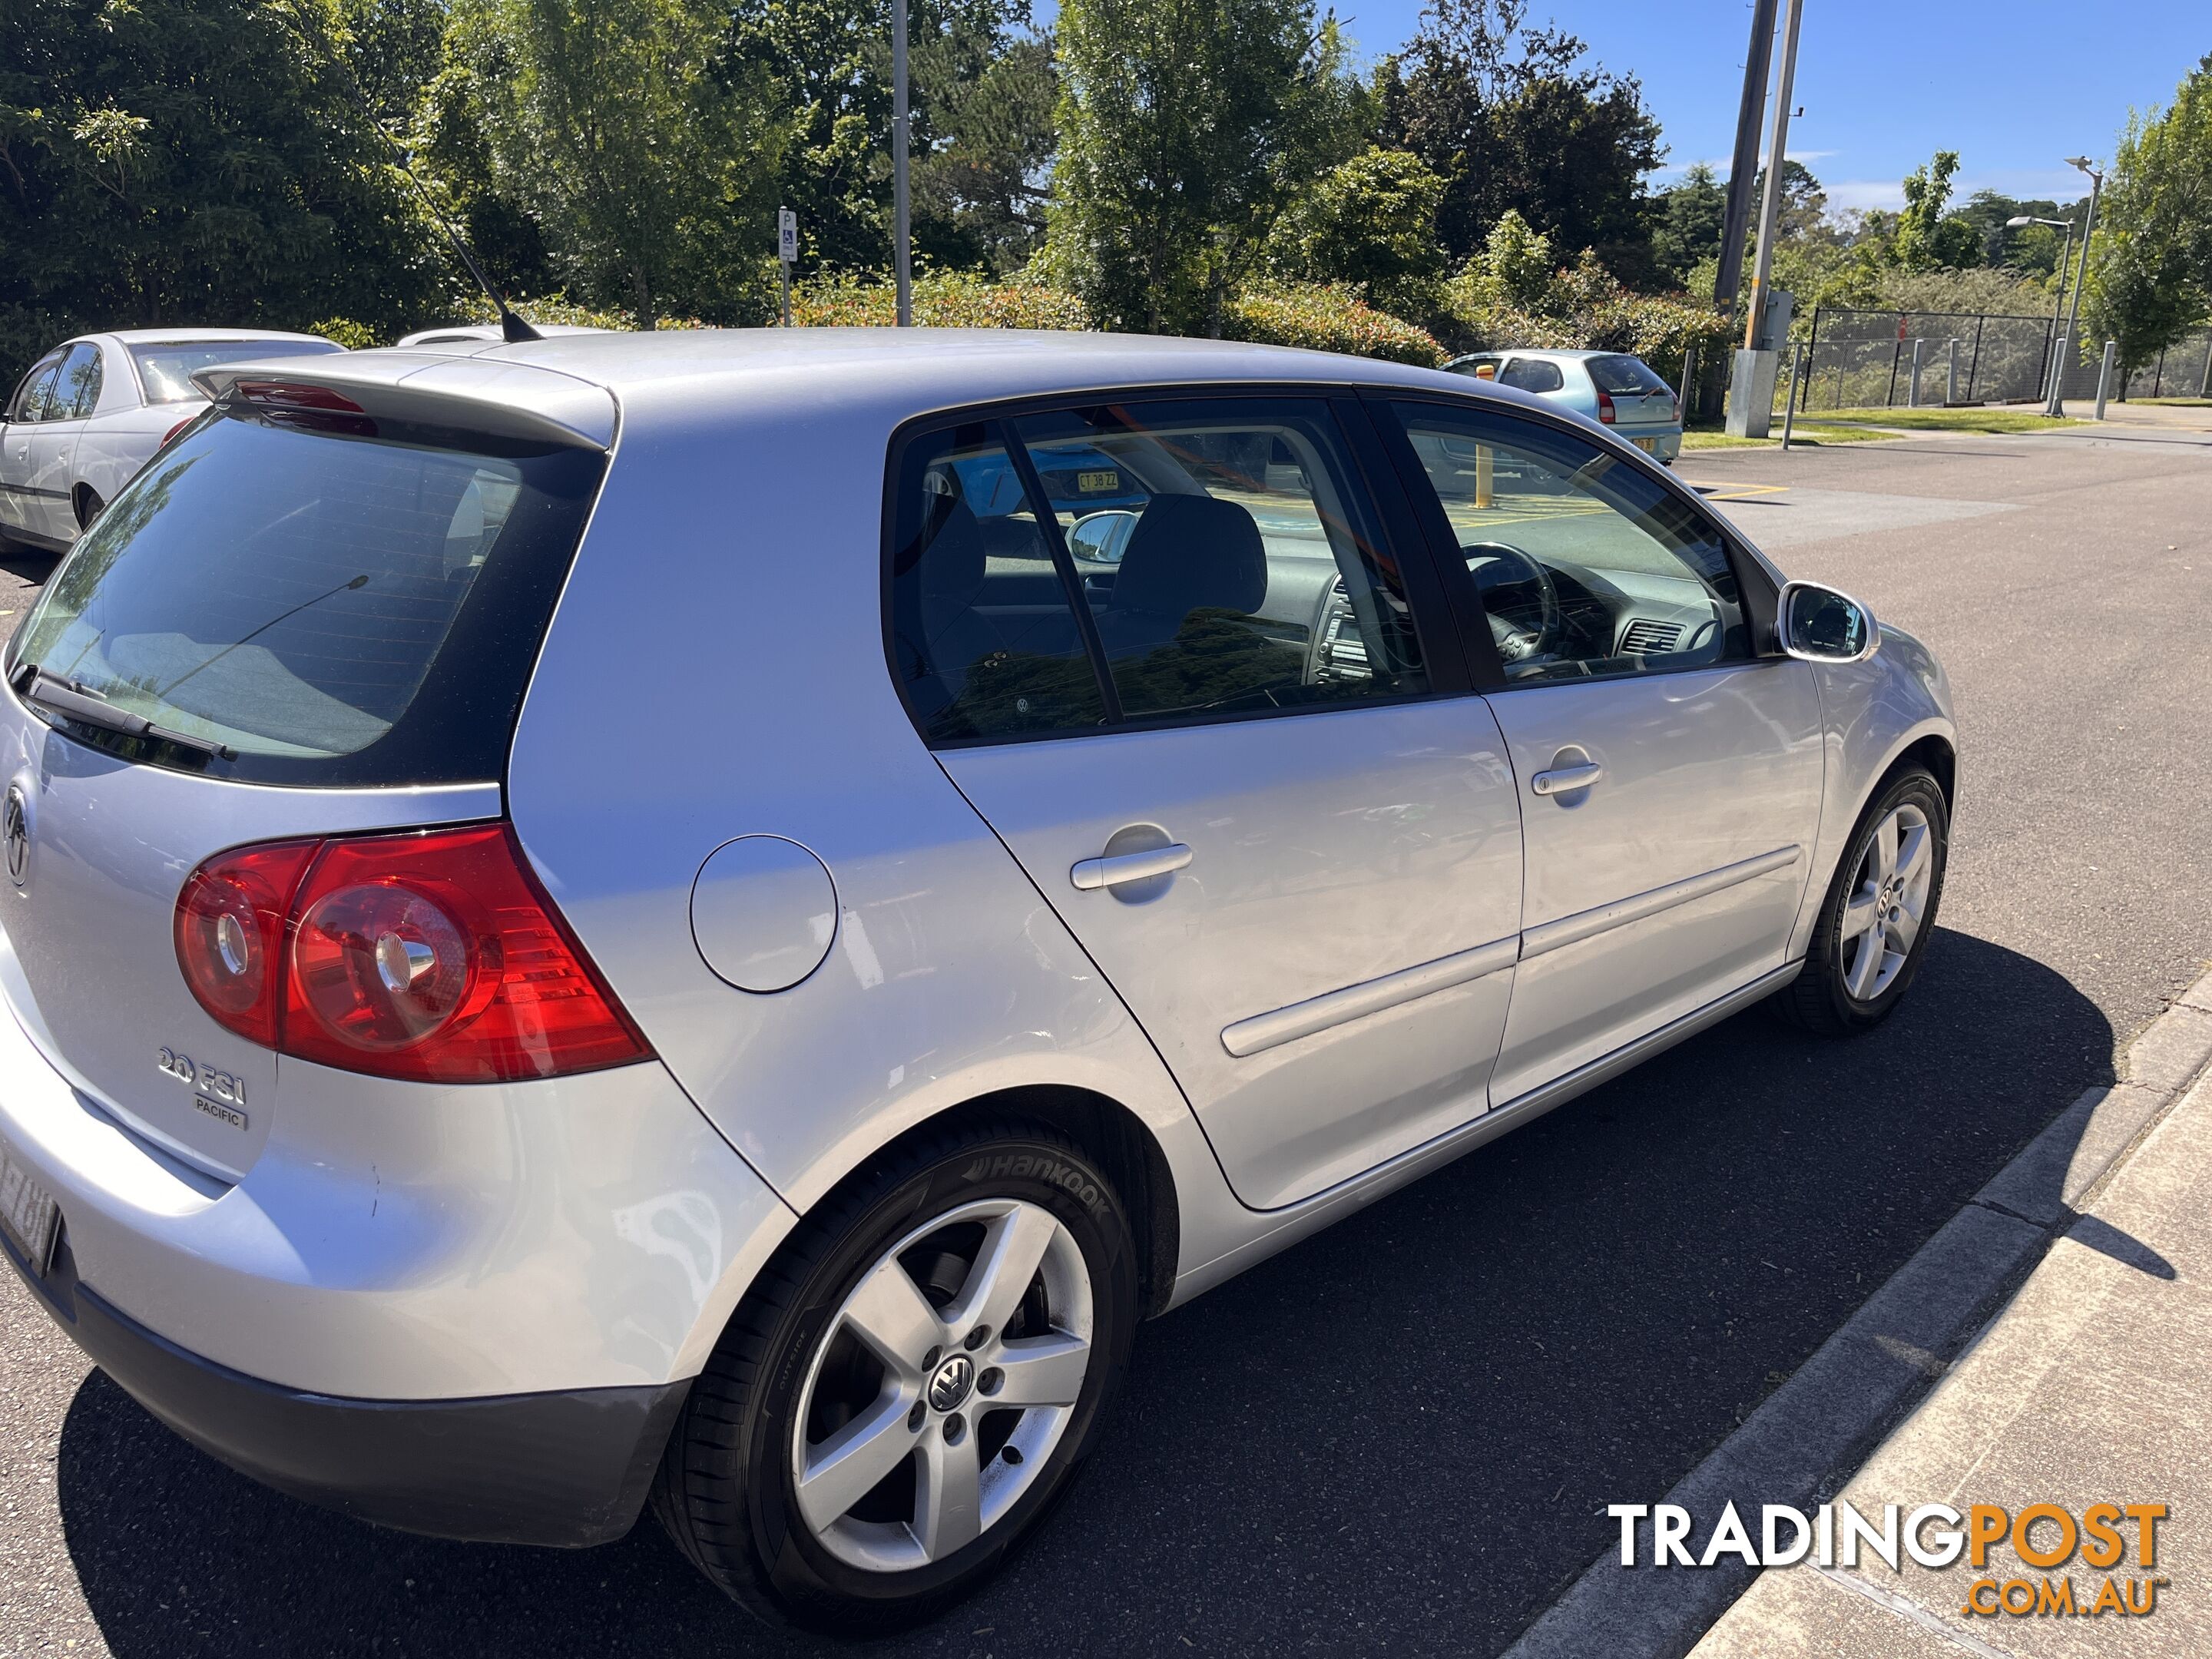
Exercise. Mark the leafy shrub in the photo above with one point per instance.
(1328, 317)
(946, 298)
(559, 309)
(1513, 293)
(354, 336)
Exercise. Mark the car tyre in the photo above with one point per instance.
(89, 507)
(813, 1368)
(1883, 898)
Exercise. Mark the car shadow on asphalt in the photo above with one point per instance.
(1400, 1436)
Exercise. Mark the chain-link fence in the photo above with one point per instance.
(1859, 359)
(2183, 369)
(1898, 359)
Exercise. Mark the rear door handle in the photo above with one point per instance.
(1091, 873)
(1561, 780)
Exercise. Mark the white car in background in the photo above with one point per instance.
(481, 334)
(94, 410)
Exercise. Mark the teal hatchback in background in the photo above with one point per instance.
(1610, 387)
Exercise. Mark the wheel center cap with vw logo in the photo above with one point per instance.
(15, 832)
(952, 1383)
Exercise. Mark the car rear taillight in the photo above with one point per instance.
(170, 436)
(297, 394)
(306, 406)
(230, 928)
(1605, 409)
(432, 956)
(1675, 411)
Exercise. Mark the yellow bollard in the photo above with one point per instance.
(1482, 474)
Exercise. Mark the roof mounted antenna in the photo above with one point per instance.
(512, 328)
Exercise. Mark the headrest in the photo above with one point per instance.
(952, 550)
(1189, 553)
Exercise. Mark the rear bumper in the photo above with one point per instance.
(1661, 443)
(561, 1468)
(469, 1311)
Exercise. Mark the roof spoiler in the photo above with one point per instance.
(503, 399)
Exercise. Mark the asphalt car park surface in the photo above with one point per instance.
(1402, 1435)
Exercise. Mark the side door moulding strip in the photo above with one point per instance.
(1587, 924)
(1270, 1031)
(1261, 1032)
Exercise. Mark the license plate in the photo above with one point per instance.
(1093, 484)
(29, 1215)
(1649, 445)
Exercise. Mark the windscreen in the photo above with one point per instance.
(325, 600)
(166, 368)
(1625, 377)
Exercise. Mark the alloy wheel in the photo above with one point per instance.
(1882, 918)
(936, 1393)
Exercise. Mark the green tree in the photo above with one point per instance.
(1510, 119)
(178, 161)
(1926, 239)
(980, 126)
(1690, 218)
(632, 137)
(1370, 222)
(2150, 258)
(1187, 128)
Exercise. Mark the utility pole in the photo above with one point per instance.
(2080, 276)
(1751, 389)
(1758, 57)
(901, 261)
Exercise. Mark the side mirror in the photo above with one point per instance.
(1818, 624)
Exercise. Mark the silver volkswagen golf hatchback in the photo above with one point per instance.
(710, 920)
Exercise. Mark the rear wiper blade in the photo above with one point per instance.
(68, 699)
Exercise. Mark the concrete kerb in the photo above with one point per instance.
(1809, 1437)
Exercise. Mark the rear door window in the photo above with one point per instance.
(76, 389)
(327, 599)
(985, 637)
(1140, 564)
(1246, 574)
(1532, 374)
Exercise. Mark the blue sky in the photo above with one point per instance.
(1886, 83)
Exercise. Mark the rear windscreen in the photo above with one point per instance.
(1625, 377)
(166, 368)
(340, 602)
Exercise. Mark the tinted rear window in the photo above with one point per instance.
(1625, 377)
(359, 605)
(166, 368)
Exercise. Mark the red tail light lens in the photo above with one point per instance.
(431, 956)
(170, 436)
(1675, 413)
(297, 394)
(230, 928)
(1605, 408)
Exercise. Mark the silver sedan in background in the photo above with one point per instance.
(732, 968)
(92, 411)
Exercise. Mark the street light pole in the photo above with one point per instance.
(901, 258)
(2058, 305)
(2080, 276)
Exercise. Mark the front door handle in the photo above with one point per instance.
(1091, 873)
(1561, 780)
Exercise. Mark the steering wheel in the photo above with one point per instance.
(1526, 623)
